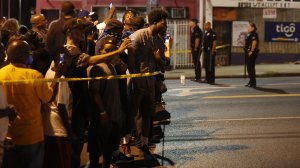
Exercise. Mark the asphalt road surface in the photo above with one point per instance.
(229, 125)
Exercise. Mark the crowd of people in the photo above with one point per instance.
(45, 124)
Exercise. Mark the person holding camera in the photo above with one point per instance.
(75, 29)
(56, 114)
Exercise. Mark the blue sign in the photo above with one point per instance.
(282, 31)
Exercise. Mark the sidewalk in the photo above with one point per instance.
(237, 71)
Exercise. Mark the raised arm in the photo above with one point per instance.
(85, 60)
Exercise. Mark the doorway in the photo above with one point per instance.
(224, 34)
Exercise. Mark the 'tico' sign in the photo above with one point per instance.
(282, 31)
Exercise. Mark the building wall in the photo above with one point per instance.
(270, 52)
(51, 4)
(283, 15)
(26, 6)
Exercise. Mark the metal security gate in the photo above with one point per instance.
(180, 32)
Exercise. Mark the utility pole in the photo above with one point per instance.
(151, 3)
(201, 13)
(202, 21)
(209, 12)
(148, 9)
(84, 4)
(1, 8)
(8, 10)
(20, 11)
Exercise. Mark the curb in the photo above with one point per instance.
(267, 75)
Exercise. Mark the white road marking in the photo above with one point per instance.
(248, 119)
(189, 91)
(251, 96)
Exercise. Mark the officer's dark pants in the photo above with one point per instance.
(251, 68)
(197, 65)
(143, 104)
(209, 60)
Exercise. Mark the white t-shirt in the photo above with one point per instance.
(53, 125)
(101, 27)
(5, 120)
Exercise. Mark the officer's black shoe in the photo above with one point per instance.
(251, 85)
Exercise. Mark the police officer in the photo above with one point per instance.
(196, 41)
(209, 49)
(251, 51)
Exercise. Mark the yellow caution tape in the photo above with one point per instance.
(10, 82)
(222, 46)
(189, 51)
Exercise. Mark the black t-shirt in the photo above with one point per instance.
(56, 38)
(196, 33)
(250, 38)
(208, 40)
(108, 90)
(79, 89)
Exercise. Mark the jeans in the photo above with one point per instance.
(24, 156)
(143, 104)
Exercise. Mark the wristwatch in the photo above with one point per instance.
(102, 113)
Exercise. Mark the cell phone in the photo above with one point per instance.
(29, 60)
(61, 58)
(110, 5)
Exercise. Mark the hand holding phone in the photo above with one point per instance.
(61, 58)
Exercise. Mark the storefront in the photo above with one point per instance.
(278, 24)
(177, 9)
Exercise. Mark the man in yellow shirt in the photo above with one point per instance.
(25, 132)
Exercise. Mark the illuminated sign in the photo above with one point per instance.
(257, 3)
(282, 31)
(270, 13)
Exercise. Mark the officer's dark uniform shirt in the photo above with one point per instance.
(251, 37)
(208, 40)
(196, 33)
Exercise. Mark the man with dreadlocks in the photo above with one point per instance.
(145, 53)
